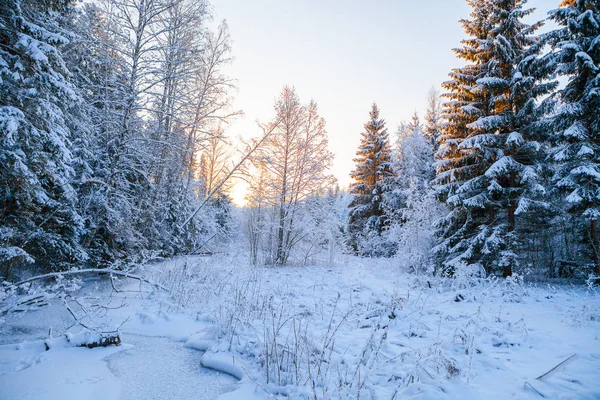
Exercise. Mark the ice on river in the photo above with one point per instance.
(159, 368)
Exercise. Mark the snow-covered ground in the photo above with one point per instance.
(157, 366)
(357, 328)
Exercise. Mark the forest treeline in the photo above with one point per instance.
(110, 118)
(510, 153)
(114, 150)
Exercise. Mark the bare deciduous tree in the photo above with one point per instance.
(294, 161)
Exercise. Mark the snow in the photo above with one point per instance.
(502, 166)
(363, 322)
(155, 367)
(515, 139)
(587, 170)
(577, 131)
(585, 151)
(225, 363)
(30, 372)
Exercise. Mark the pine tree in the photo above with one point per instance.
(405, 129)
(39, 221)
(576, 55)
(372, 177)
(415, 164)
(433, 120)
(100, 73)
(488, 164)
(413, 167)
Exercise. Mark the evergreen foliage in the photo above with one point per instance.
(103, 109)
(489, 161)
(372, 177)
(112, 148)
(38, 214)
(576, 125)
(432, 128)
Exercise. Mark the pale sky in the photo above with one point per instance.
(345, 55)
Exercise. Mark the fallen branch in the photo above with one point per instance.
(75, 317)
(539, 378)
(89, 339)
(37, 301)
(230, 174)
(88, 271)
(258, 384)
(528, 386)
(112, 283)
(106, 339)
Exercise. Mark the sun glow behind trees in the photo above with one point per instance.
(326, 58)
(145, 133)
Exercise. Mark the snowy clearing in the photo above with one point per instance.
(169, 229)
(355, 329)
(158, 368)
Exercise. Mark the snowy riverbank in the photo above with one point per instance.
(354, 328)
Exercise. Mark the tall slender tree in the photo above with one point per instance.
(372, 177)
(100, 71)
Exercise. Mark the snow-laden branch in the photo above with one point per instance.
(89, 271)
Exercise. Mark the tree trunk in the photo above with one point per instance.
(280, 234)
(596, 249)
(512, 207)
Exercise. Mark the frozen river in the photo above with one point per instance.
(159, 368)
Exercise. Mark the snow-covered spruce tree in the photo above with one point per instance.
(414, 157)
(432, 129)
(372, 177)
(411, 205)
(454, 164)
(100, 72)
(413, 166)
(576, 55)
(488, 164)
(38, 217)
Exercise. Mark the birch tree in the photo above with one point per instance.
(295, 160)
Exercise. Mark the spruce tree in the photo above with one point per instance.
(488, 164)
(39, 221)
(576, 55)
(100, 71)
(413, 167)
(454, 163)
(432, 128)
(372, 177)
